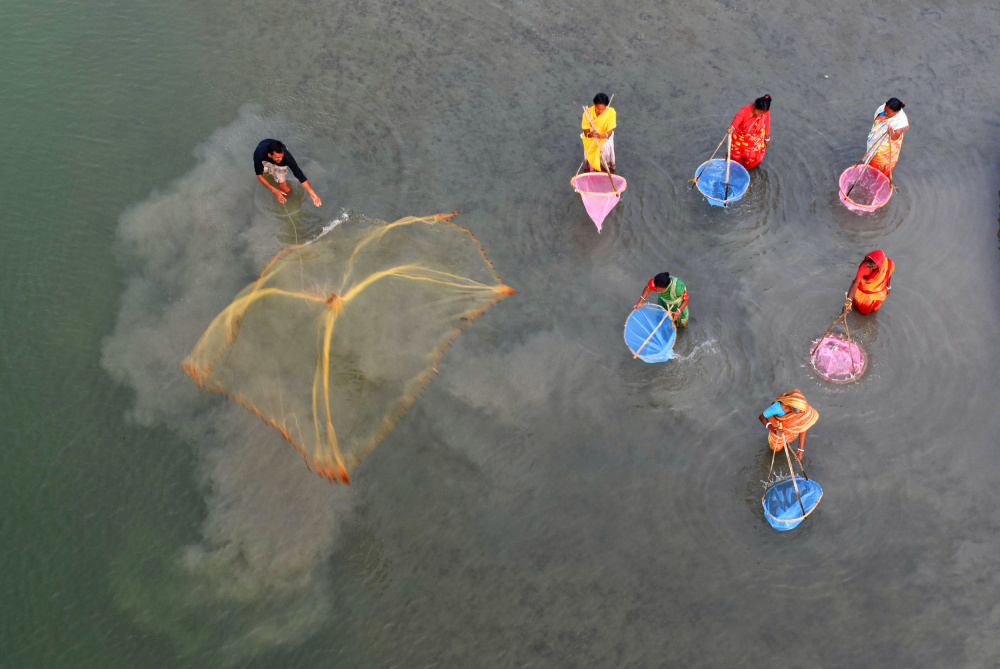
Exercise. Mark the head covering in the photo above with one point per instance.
(877, 256)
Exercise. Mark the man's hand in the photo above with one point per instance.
(281, 197)
(312, 193)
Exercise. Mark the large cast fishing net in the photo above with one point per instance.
(339, 336)
(600, 193)
(713, 184)
(864, 188)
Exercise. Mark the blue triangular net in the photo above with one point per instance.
(711, 178)
(643, 322)
(781, 505)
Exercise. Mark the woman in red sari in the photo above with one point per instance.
(751, 129)
(871, 284)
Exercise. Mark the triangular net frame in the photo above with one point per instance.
(598, 193)
(864, 188)
(650, 332)
(781, 503)
(337, 337)
(711, 181)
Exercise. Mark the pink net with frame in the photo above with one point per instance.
(864, 188)
(838, 360)
(598, 195)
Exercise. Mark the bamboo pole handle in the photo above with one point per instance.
(791, 470)
(813, 351)
(729, 153)
(867, 158)
(721, 142)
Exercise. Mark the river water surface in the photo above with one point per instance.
(548, 502)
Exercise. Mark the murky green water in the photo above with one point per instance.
(548, 501)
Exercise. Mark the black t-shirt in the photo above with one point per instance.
(260, 157)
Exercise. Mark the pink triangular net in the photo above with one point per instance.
(598, 195)
(869, 188)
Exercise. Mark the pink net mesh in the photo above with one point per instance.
(838, 360)
(864, 188)
(598, 195)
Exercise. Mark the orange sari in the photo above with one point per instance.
(873, 288)
(792, 423)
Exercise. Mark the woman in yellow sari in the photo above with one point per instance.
(790, 416)
(599, 135)
(886, 135)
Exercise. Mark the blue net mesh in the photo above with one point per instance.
(781, 504)
(711, 178)
(646, 321)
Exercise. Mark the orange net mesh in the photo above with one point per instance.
(339, 336)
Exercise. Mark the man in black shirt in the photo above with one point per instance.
(270, 156)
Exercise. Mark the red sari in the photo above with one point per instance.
(873, 287)
(749, 132)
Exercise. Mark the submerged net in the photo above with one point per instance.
(711, 180)
(864, 188)
(650, 333)
(781, 503)
(339, 336)
(838, 360)
(598, 194)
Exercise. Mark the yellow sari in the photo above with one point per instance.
(595, 149)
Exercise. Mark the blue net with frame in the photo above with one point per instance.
(782, 507)
(650, 333)
(711, 180)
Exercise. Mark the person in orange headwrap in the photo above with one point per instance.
(790, 416)
(871, 284)
(751, 128)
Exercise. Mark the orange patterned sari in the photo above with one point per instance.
(793, 422)
(873, 288)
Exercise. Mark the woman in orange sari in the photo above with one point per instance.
(751, 130)
(790, 416)
(871, 284)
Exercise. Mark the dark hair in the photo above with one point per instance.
(763, 104)
(895, 104)
(602, 99)
(662, 280)
(274, 146)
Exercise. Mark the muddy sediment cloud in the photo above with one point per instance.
(258, 576)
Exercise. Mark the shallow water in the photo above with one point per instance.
(549, 501)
